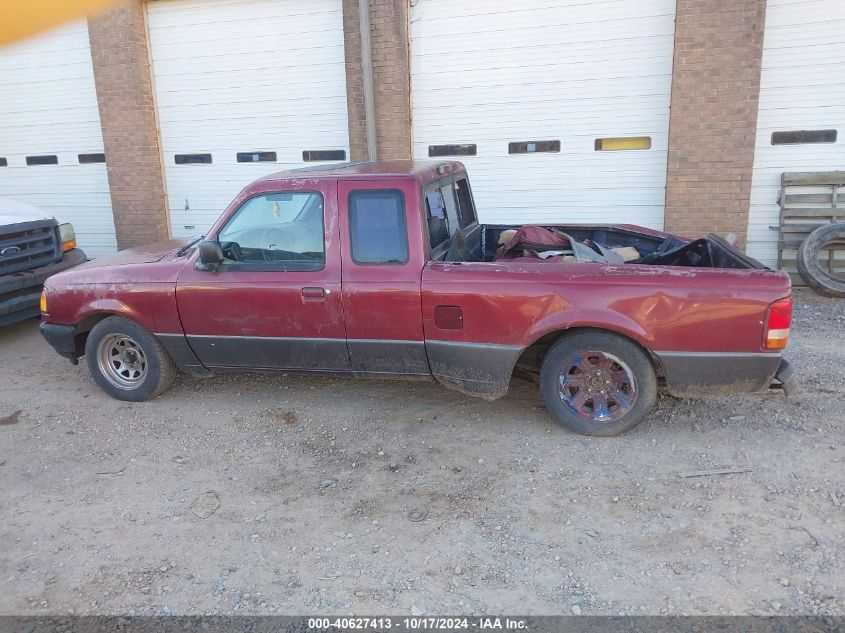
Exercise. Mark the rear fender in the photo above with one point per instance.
(593, 319)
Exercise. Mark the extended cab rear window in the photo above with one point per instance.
(438, 222)
(377, 228)
(466, 207)
(449, 207)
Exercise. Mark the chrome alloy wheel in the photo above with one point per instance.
(597, 386)
(122, 361)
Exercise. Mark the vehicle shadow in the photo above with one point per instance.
(15, 331)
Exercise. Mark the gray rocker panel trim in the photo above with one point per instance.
(690, 374)
(478, 369)
(183, 356)
(369, 356)
(407, 358)
(256, 352)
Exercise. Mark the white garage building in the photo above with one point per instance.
(496, 76)
(51, 144)
(802, 88)
(560, 108)
(242, 91)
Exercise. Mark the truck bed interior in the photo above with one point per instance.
(480, 243)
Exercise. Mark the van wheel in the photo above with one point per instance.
(598, 383)
(127, 361)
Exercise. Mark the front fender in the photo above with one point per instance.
(76, 305)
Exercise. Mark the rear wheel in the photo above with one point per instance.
(598, 383)
(126, 361)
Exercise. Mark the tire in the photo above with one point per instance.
(807, 261)
(598, 383)
(128, 362)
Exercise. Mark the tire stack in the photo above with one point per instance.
(808, 264)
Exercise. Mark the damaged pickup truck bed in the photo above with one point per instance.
(376, 269)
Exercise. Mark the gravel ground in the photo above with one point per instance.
(269, 494)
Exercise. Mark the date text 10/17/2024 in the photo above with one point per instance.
(375, 624)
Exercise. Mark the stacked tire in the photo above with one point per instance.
(809, 266)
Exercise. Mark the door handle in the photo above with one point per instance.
(315, 294)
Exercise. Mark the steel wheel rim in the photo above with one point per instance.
(122, 361)
(597, 386)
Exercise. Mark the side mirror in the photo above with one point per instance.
(211, 256)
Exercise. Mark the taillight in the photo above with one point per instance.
(777, 324)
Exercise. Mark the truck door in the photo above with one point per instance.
(460, 302)
(382, 268)
(275, 302)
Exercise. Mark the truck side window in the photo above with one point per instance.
(276, 231)
(377, 226)
(438, 224)
(466, 208)
(448, 192)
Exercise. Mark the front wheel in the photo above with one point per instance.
(126, 361)
(598, 383)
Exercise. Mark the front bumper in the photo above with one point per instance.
(63, 339)
(20, 292)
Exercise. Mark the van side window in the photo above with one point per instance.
(377, 228)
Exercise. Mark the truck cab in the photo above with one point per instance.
(317, 273)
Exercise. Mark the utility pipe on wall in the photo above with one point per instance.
(367, 72)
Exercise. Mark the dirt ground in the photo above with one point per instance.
(307, 495)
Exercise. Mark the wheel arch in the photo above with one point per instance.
(533, 355)
(87, 323)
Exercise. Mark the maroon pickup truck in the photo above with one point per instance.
(377, 269)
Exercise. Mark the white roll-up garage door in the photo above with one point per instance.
(51, 143)
(489, 74)
(243, 88)
(802, 87)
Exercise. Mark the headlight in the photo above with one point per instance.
(44, 302)
(67, 236)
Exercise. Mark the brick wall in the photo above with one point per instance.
(392, 79)
(715, 91)
(130, 133)
(392, 70)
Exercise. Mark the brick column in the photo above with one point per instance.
(392, 78)
(130, 133)
(715, 93)
(354, 82)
